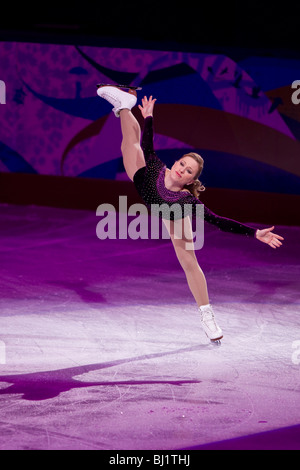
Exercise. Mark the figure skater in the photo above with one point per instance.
(157, 184)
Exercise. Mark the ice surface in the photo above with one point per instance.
(102, 348)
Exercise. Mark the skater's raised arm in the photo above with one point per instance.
(147, 109)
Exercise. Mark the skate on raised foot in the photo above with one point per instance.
(209, 324)
(126, 87)
(117, 97)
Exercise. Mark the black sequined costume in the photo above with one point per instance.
(149, 182)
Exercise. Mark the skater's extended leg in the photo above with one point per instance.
(123, 102)
(133, 155)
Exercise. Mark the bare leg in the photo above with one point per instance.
(133, 158)
(133, 155)
(194, 274)
(189, 263)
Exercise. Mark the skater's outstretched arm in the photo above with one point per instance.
(266, 236)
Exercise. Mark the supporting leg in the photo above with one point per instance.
(195, 277)
(188, 261)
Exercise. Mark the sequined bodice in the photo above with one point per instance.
(150, 184)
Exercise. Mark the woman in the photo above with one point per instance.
(158, 185)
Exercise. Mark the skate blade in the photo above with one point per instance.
(216, 342)
(128, 87)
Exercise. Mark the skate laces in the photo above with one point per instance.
(118, 95)
(110, 96)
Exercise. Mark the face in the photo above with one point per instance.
(184, 171)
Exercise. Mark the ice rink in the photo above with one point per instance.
(101, 346)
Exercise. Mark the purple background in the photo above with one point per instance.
(237, 113)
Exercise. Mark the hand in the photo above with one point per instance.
(271, 239)
(148, 106)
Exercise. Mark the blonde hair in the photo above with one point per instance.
(196, 187)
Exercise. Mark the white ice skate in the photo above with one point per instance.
(118, 98)
(209, 324)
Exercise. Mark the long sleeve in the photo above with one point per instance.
(228, 225)
(147, 138)
(150, 183)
